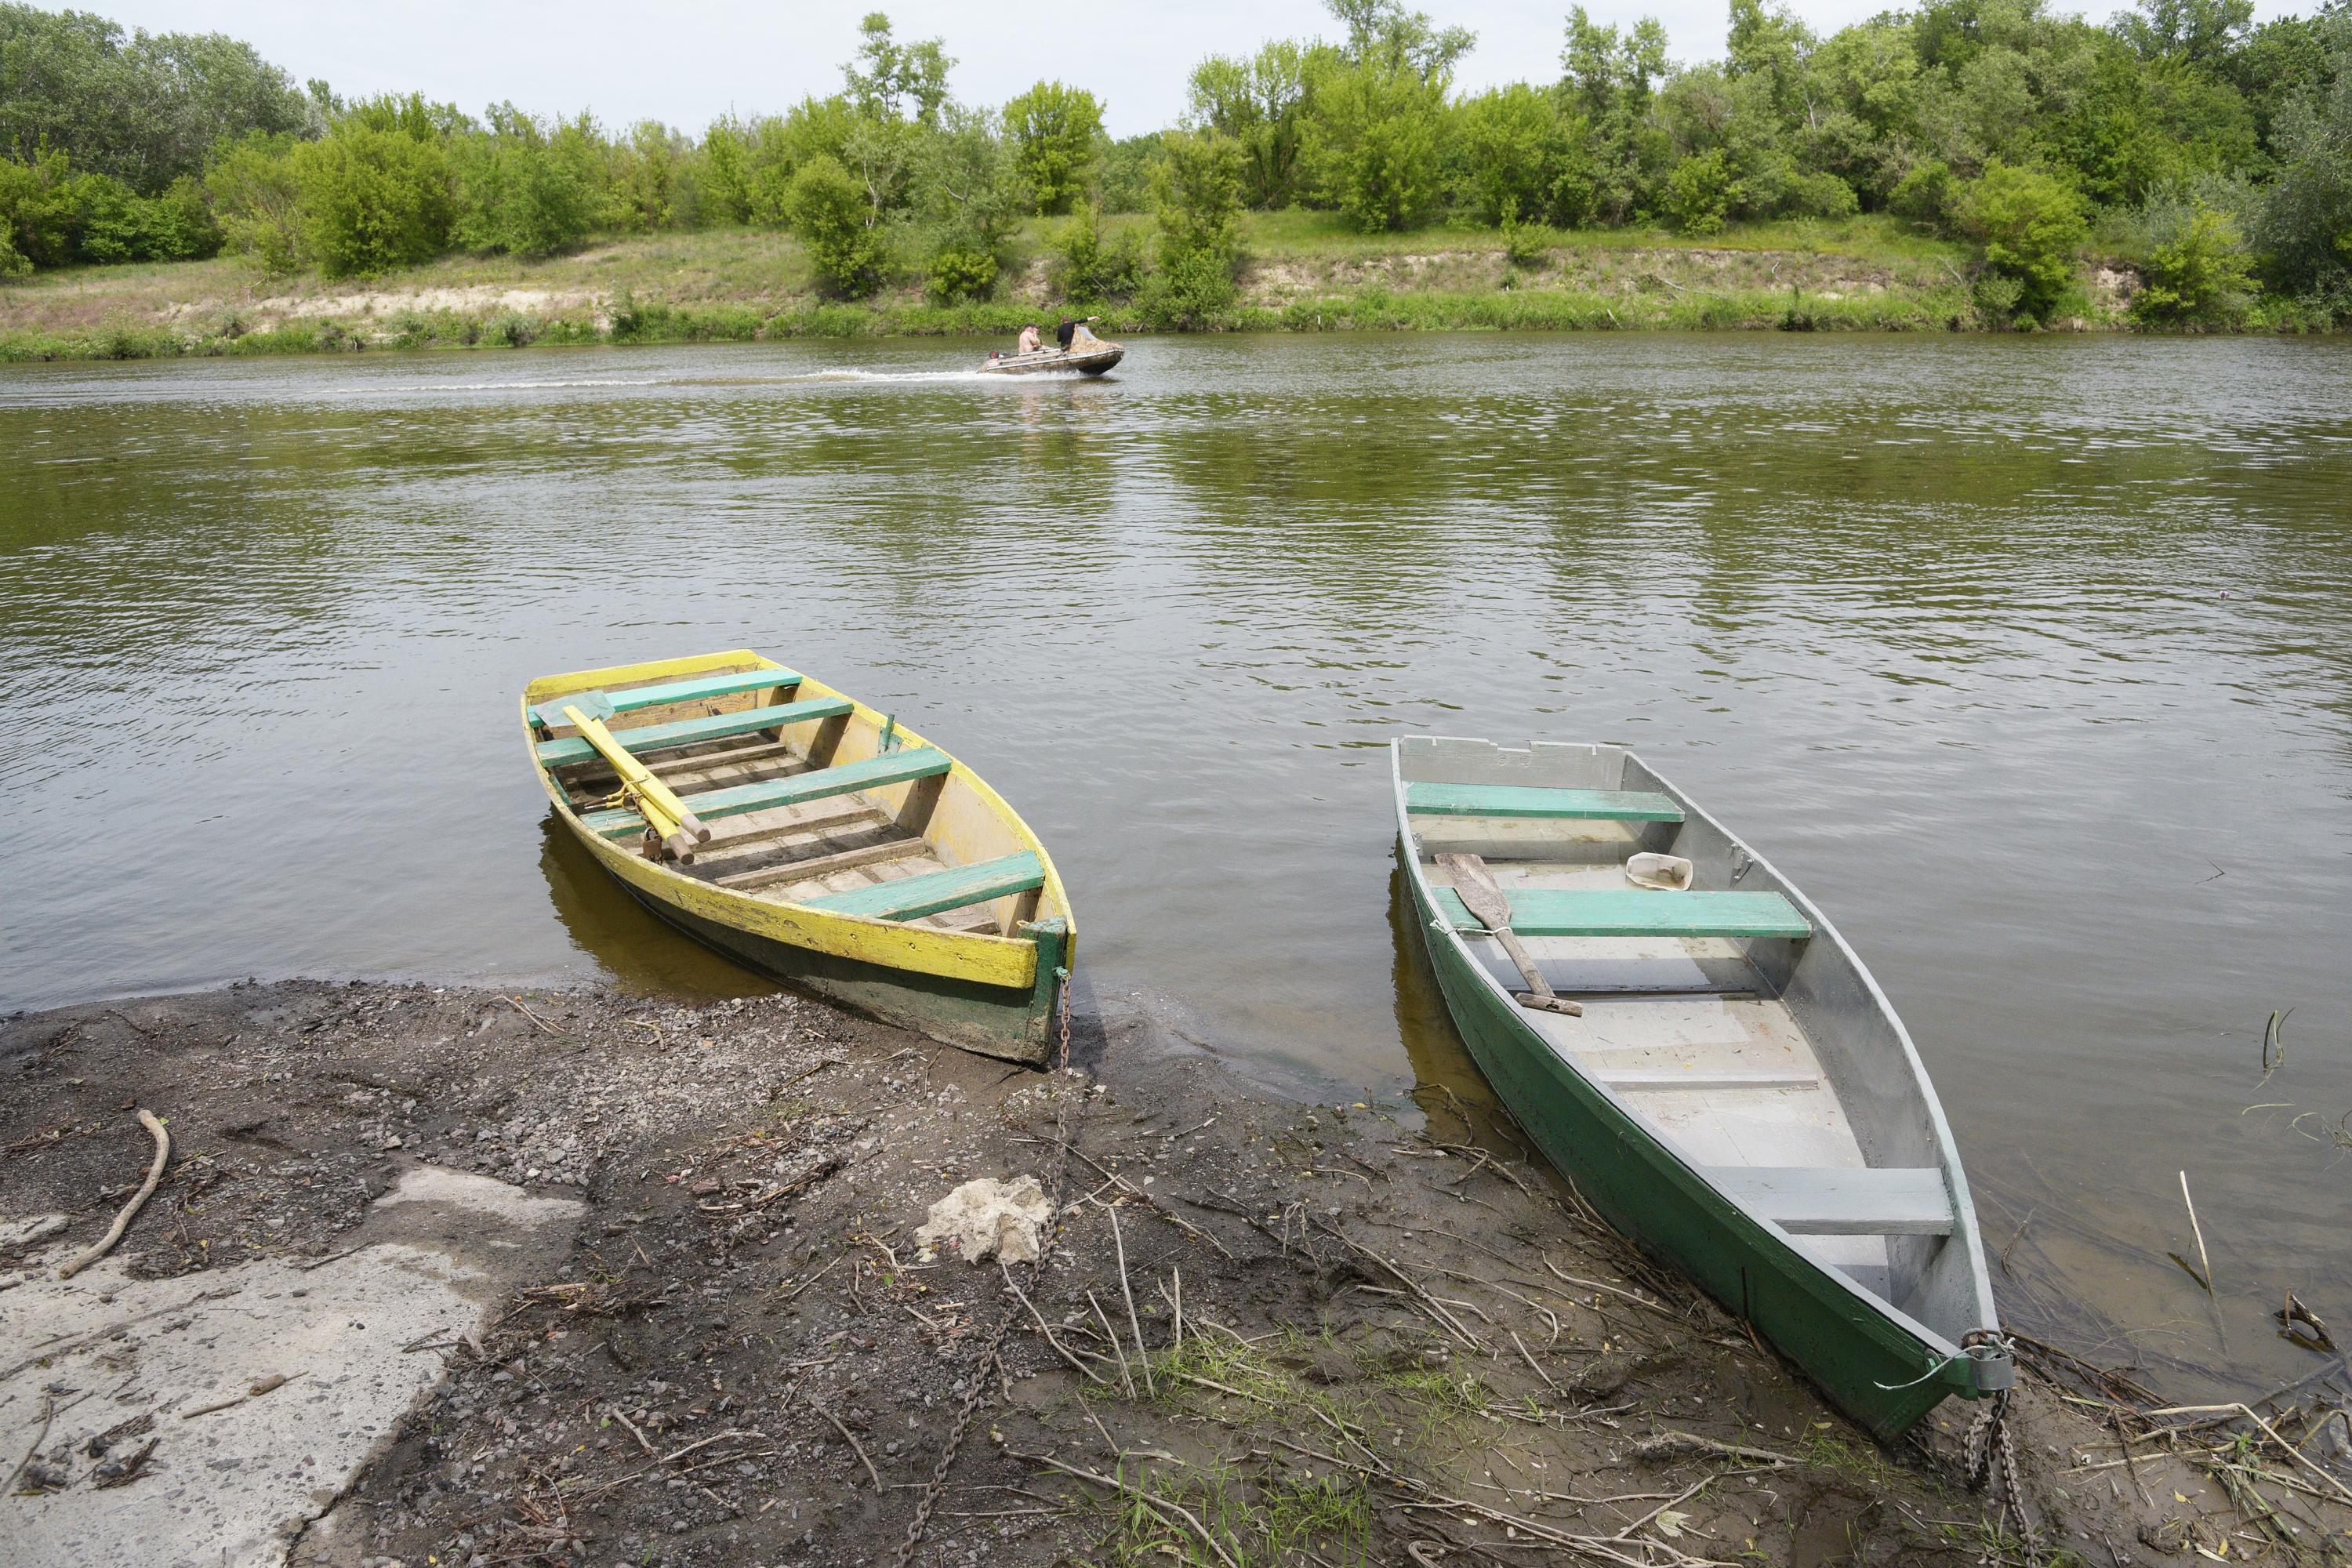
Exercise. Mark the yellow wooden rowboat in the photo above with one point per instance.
(815, 839)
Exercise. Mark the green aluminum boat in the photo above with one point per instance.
(1690, 1041)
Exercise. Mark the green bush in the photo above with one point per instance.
(2030, 226)
(2198, 273)
(1700, 193)
(372, 199)
(1197, 188)
(257, 197)
(1082, 263)
(826, 211)
(1926, 193)
(53, 217)
(1526, 244)
(1819, 196)
(961, 272)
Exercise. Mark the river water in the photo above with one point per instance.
(2031, 660)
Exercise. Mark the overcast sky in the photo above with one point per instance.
(689, 61)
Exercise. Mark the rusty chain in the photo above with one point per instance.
(988, 1371)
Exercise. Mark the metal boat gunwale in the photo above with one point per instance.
(1943, 1362)
(1014, 966)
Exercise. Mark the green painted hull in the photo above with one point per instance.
(1017, 1025)
(1864, 1357)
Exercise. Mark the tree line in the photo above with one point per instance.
(2214, 154)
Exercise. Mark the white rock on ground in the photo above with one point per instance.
(241, 1486)
(987, 1216)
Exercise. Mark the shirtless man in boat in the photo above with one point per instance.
(1030, 343)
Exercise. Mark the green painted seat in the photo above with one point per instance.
(1522, 800)
(1608, 911)
(692, 731)
(549, 714)
(873, 773)
(931, 892)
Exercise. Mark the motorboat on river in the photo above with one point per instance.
(1085, 355)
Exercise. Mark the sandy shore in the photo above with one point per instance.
(443, 1276)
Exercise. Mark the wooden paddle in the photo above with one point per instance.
(1476, 885)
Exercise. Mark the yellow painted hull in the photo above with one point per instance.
(997, 993)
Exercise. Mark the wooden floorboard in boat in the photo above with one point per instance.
(828, 853)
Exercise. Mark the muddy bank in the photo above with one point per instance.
(572, 1278)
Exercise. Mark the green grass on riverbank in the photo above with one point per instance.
(1305, 272)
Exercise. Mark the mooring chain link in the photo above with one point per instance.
(1990, 1444)
(988, 1371)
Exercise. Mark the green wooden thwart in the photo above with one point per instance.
(930, 893)
(691, 731)
(873, 773)
(1604, 911)
(1521, 800)
(549, 714)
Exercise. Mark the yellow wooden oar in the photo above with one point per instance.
(673, 827)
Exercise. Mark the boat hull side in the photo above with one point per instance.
(990, 1020)
(1868, 1362)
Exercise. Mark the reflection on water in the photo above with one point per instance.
(634, 948)
(2028, 659)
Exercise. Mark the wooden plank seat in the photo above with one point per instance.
(1851, 1201)
(1699, 1077)
(1607, 911)
(1521, 800)
(873, 773)
(930, 892)
(647, 738)
(549, 714)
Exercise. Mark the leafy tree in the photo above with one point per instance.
(651, 178)
(1128, 166)
(1375, 126)
(525, 188)
(968, 182)
(1373, 148)
(1054, 129)
(2199, 272)
(258, 196)
(2031, 228)
(828, 212)
(41, 207)
(1525, 158)
(2202, 32)
(890, 81)
(1387, 38)
(1260, 102)
(142, 109)
(2304, 221)
(373, 198)
(1611, 78)
(1197, 189)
